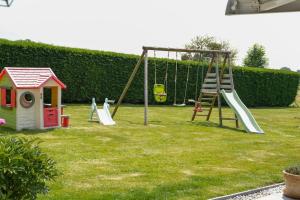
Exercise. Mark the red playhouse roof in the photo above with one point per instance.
(30, 78)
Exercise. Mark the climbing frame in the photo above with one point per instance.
(217, 78)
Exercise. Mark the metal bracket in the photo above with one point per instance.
(269, 5)
(6, 3)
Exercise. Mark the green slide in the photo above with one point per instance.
(242, 112)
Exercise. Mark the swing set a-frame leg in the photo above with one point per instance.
(135, 70)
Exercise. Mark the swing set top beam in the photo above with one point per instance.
(146, 48)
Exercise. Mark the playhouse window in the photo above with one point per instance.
(47, 97)
(27, 100)
(8, 97)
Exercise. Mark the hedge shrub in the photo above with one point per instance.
(90, 73)
(24, 169)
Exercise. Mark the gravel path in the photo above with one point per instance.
(261, 194)
(272, 192)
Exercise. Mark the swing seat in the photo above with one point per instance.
(159, 92)
(179, 105)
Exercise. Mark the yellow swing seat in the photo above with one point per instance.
(159, 92)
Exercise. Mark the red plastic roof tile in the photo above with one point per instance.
(23, 77)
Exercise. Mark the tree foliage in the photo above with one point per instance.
(24, 169)
(256, 57)
(207, 43)
(285, 68)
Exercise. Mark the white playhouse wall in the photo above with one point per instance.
(28, 118)
(33, 118)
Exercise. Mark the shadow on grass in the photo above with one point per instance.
(216, 125)
(10, 131)
(192, 187)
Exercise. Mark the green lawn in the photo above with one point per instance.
(172, 158)
(298, 96)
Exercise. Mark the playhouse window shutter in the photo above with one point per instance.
(3, 97)
(13, 98)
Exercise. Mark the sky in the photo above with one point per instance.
(127, 25)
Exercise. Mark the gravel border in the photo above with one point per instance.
(253, 194)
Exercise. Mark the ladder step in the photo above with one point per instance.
(211, 75)
(226, 76)
(202, 109)
(210, 94)
(205, 104)
(209, 91)
(206, 99)
(226, 81)
(233, 119)
(210, 80)
(207, 86)
(226, 86)
(203, 115)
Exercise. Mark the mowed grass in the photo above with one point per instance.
(172, 158)
(298, 97)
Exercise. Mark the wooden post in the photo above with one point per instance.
(232, 87)
(218, 91)
(230, 73)
(128, 83)
(146, 89)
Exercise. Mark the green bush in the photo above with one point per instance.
(293, 170)
(90, 73)
(24, 169)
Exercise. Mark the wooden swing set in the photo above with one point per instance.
(215, 80)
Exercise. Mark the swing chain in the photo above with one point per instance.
(186, 83)
(175, 79)
(166, 75)
(155, 67)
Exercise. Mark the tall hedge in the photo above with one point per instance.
(90, 73)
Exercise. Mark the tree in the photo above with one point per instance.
(285, 68)
(207, 43)
(256, 57)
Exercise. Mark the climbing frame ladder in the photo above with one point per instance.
(215, 80)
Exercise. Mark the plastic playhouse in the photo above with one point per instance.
(24, 96)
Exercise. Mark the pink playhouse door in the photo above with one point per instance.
(51, 107)
(50, 117)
